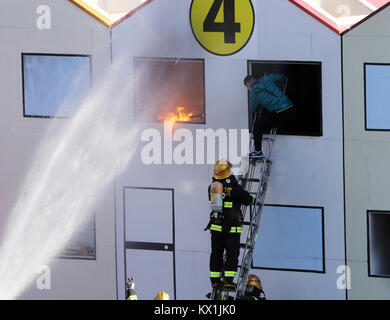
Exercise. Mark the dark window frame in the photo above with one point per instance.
(323, 271)
(365, 64)
(171, 247)
(303, 134)
(49, 54)
(173, 59)
(63, 256)
(368, 212)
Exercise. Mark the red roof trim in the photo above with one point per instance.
(330, 24)
(366, 18)
(131, 13)
(318, 16)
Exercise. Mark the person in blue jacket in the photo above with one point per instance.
(277, 109)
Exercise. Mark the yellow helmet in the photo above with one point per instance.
(222, 169)
(162, 295)
(254, 280)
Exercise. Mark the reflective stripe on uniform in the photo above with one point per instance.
(236, 230)
(132, 297)
(215, 227)
(290, 106)
(228, 204)
(215, 274)
(230, 274)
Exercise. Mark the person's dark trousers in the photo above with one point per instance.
(221, 241)
(268, 120)
(232, 242)
(216, 256)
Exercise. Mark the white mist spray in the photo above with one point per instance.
(76, 161)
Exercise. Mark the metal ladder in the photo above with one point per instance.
(255, 210)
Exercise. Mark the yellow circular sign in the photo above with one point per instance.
(222, 27)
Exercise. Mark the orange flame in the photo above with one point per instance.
(179, 115)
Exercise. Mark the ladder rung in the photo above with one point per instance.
(248, 223)
(249, 246)
(255, 160)
(245, 268)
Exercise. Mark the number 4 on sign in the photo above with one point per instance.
(222, 27)
(229, 27)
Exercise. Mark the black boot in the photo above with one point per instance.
(216, 283)
(229, 284)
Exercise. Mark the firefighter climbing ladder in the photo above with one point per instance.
(247, 180)
(264, 164)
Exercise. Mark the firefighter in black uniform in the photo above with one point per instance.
(254, 289)
(226, 226)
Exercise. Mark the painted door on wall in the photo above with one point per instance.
(148, 235)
